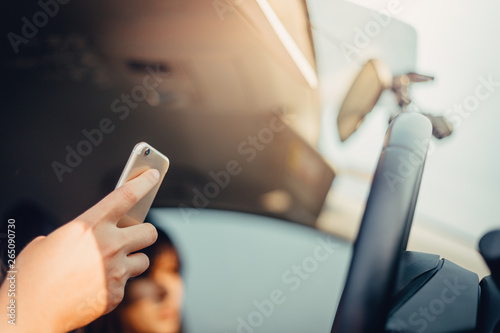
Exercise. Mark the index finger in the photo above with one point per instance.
(122, 199)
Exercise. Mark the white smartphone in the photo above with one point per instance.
(142, 158)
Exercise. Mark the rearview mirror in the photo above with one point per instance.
(365, 91)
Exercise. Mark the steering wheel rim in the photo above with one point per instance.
(385, 227)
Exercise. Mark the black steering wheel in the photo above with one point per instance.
(386, 224)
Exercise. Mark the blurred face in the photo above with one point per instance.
(155, 302)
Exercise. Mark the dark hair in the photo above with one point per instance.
(163, 242)
(111, 322)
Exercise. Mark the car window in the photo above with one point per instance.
(249, 273)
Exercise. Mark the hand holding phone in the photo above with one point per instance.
(142, 158)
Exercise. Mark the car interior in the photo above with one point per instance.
(316, 182)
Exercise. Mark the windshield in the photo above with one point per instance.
(451, 41)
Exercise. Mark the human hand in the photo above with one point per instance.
(78, 272)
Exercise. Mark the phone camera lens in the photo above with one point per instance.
(147, 152)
